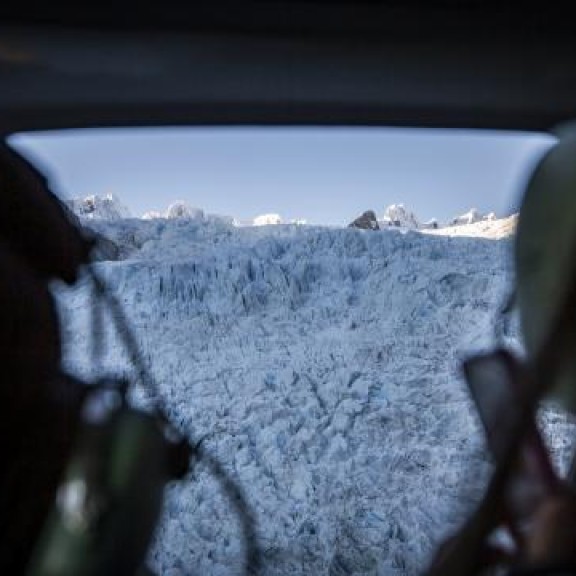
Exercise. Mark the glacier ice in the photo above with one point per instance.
(321, 368)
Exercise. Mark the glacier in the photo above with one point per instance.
(321, 369)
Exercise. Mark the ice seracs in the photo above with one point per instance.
(320, 368)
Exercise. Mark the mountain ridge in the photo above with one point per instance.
(397, 216)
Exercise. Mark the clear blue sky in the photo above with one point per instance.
(325, 175)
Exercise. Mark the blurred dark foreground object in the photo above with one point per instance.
(83, 473)
(525, 497)
(109, 501)
(38, 409)
(526, 501)
(39, 405)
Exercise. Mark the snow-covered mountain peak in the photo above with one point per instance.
(178, 210)
(471, 217)
(96, 207)
(102, 208)
(399, 216)
(183, 211)
(267, 220)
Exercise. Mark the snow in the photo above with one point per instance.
(471, 217)
(178, 209)
(96, 207)
(429, 224)
(321, 366)
(399, 216)
(152, 215)
(267, 220)
(491, 227)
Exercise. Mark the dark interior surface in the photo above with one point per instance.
(467, 63)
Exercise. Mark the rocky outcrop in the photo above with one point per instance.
(367, 221)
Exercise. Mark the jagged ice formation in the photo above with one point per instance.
(322, 368)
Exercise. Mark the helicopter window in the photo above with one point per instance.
(322, 175)
(303, 298)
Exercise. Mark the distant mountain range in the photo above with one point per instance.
(109, 207)
(399, 216)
